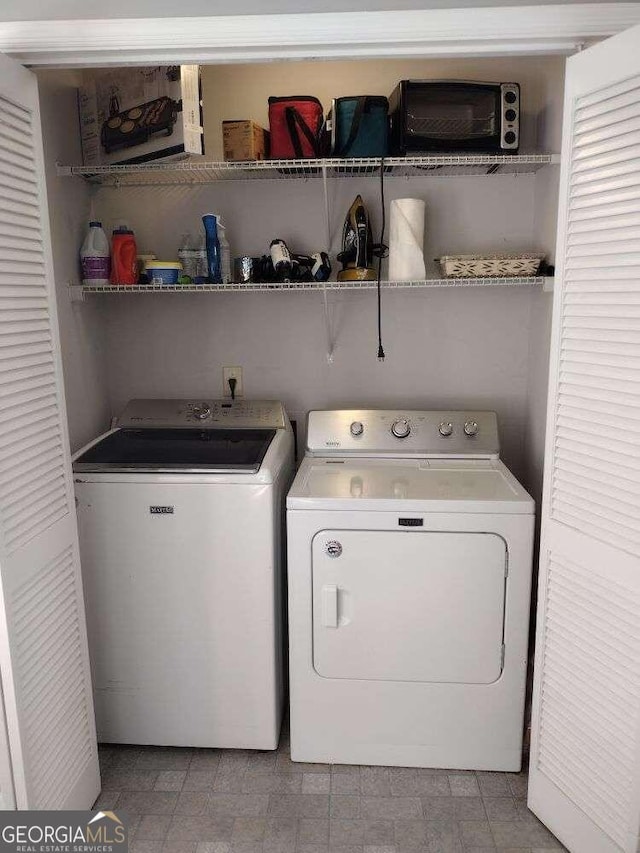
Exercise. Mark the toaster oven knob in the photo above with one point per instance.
(357, 428)
(509, 137)
(445, 428)
(470, 428)
(401, 428)
(510, 97)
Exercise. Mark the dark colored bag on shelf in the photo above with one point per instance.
(296, 124)
(360, 126)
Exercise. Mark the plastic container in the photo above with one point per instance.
(188, 257)
(214, 260)
(225, 254)
(143, 260)
(202, 263)
(163, 272)
(124, 257)
(95, 257)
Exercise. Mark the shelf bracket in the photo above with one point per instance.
(76, 292)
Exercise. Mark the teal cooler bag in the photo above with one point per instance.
(360, 126)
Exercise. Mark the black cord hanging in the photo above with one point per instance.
(381, 254)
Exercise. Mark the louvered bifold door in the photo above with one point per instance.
(44, 665)
(585, 757)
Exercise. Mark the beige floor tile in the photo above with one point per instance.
(500, 808)
(313, 830)
(199, 780)
(345, 806)
(345, 783)
(193, 803)
(375, 782)
(392, 808)
(248, 829)
(170, 780)
(463, 785)
(152, 827)
(344, 832)
(238, 805)
(378, 831)
(476, 833)
(164, 758)
(201, 828)
(316, 783)
(179, 847)
(147, 802)
(117, 779)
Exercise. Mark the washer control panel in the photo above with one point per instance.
(208, 414)
(381, 432)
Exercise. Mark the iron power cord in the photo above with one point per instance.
(381, 253)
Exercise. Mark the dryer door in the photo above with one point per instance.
(408, 605)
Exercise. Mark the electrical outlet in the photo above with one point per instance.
(231, 373)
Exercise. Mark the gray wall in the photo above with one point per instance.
(82, 330)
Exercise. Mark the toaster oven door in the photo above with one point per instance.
(450, 116)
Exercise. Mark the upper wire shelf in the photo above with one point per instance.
(197, 171)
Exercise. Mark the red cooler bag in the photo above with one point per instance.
(296, 124)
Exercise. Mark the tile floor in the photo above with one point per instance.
(228, 801)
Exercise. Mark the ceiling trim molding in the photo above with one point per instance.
(488, 31)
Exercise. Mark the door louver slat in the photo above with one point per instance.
(54, 763)
(578, 632)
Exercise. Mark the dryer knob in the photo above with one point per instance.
(445, 428)
(357, 428)
(470, 428)
(401, 428)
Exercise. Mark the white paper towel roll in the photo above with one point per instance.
(406, 240)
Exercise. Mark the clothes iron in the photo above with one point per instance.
(358, 248)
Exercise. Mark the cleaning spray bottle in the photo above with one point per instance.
(214, 260)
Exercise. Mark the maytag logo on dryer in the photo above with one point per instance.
(161, 510)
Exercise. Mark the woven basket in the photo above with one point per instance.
(490, 266)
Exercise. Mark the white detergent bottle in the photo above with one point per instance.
(95, 257)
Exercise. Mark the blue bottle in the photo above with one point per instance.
(214, 255)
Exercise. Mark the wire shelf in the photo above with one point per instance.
(196, 171)
(294, 287)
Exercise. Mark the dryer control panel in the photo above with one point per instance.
(398, 433)
(208, 414)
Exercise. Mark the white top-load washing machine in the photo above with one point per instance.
(181, 522)
(409, 569)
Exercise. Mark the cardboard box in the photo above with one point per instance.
(135, 115)
(244, 140)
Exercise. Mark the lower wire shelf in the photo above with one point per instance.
(78, 291)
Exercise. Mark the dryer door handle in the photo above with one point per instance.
(329, 603)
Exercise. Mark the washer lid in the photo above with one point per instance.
(171, 450)
(408, 485)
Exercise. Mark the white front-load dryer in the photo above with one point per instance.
(409, 570)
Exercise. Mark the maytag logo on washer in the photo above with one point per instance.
(62, 832)
(161, 510)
